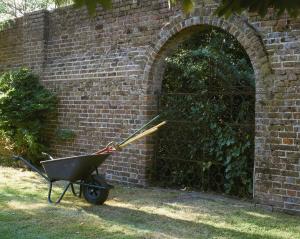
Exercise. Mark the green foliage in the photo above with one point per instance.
(24, 108)
(209, 85)
(187, 5)
(6, 24)
(91, 5)
(12, 9)
(2, 7)
(65, 134)
(226, 8)
(6, 150)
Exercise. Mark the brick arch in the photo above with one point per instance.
(249, 39)
(243, 31)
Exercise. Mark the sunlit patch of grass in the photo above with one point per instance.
(131, 213)
(259, 215)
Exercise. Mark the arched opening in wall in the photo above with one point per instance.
(206, 91)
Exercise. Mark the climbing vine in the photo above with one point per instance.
(208, 97)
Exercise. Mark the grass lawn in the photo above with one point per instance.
(132, 213)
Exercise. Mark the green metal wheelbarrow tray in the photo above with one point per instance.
(78, 170)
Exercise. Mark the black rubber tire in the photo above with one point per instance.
(95, 195)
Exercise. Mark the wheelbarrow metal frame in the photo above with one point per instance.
(77, 170)
(81, 182)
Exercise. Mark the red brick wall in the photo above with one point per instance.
(107, 69)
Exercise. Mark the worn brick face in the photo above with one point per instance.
(106, 72)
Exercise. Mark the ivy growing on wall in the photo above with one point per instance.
(208, 97)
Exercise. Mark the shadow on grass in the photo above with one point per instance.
(142, 222)
(42, 223)
(58, 221)
(165, 225)
(244, 212)
(24, 219)
(8, 194)
(30, 194)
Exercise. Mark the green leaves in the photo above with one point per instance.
(91, 5)
(228, 7)
(201, 88)
(65, 134)
(11, 9)
(2, 7)
(188, 5)
(24, 109)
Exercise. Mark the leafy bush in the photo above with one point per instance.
(6, 24)
(209, 86)
(65, 134)
(24, 108)
(6, 150)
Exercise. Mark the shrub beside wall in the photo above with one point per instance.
(25, 106)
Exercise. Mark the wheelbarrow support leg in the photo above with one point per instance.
(74, 192)
(61, 196)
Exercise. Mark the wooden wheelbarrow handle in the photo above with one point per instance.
(112, 146)
(142, 135)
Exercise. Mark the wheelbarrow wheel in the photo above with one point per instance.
(94, 195)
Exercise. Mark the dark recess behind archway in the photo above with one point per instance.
(212, 149)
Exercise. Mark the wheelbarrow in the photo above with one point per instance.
(78, 170)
